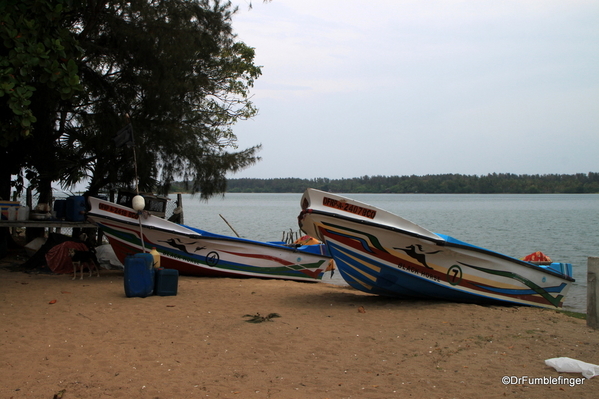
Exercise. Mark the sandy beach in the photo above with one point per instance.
(85, 339)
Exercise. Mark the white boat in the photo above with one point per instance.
(381, 253)
(197, 252)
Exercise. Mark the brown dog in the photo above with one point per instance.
(79, 258)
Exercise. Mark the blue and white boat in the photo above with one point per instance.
(381, 253)
(197, 252)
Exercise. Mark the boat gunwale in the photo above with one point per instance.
(440, 242)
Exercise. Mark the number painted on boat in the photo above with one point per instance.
(454, 275)
(347, 207)
(212, 258)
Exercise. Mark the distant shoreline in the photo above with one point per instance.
(502, 183)
(345, 192)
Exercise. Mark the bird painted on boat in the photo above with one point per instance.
(410, 250)
(179, 245)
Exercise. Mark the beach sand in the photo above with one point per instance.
(86, 339)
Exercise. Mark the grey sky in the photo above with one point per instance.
(394, 87)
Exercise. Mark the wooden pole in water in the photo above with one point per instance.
(593, 292)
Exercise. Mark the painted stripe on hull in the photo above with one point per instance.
(125, 240)
(412, 261)
(392, 281)
(382, 283)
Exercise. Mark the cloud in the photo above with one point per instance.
(394, 87)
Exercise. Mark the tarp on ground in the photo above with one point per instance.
(39, 258)
(58, 259)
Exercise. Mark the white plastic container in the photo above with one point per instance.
(23, 213)
(12, 213)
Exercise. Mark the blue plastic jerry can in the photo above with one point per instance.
(139, 275)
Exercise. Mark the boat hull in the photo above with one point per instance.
(381, 258)
(200, 253)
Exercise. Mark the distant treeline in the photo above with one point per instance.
(496, 183)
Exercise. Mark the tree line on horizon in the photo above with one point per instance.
(494, 183)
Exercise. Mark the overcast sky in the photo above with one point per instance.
(395, 87)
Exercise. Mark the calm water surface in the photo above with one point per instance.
(562, 226)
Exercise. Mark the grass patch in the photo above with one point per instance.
(576, 315)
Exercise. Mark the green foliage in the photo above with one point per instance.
(172, 68)
(576, 315)
(258, 318)
(38, 53)
(429, 184)
(175, 68)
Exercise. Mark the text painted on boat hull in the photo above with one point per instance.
(347, 207)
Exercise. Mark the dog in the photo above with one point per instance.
(79, 258)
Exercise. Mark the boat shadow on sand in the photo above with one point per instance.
(347, 296)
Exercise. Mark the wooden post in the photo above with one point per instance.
(593, 292)
(180, 202)
(29, 198)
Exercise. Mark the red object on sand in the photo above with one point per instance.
(58, 259)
